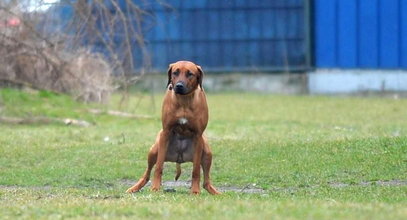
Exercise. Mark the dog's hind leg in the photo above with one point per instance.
(162, 145)
(206, 167)
(152, 158)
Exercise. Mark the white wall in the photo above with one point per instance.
(330, 81)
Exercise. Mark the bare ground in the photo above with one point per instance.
(172, 186)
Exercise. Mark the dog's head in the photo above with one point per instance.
(184, 77)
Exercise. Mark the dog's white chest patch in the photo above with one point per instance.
(182, 121)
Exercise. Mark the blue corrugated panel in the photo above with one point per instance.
(389, 34)
(226, 3)
(403, 35)
(325, 33)
(242, 28)
(227, 25)
(214, 28)
(240, 3)
(220, 35)
(347, 56)
(368, 34)
(280, 24)
(360, 33)
(199, 25)
(255, 24)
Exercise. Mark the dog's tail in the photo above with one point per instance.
(178, 173)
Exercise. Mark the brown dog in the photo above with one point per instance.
(184, 119)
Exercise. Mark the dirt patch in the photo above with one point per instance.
(170, 186)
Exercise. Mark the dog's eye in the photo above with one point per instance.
(189, 74)
(176, 73)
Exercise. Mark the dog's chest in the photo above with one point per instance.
(180, 147)
(182, 121)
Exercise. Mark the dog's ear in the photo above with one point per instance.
(200, 76)
(169, 75)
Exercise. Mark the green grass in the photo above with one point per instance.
(294, 147)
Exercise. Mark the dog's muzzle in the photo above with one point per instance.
(180, 88)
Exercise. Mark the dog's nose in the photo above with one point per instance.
(179, 85)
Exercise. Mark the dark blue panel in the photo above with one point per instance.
(268, 19)
(174, 31)
(218, 54)
(224, 34)
(187, 24)
(266, 55)
(325, 33)
(301, 25)
(201, 51)
(187, 4)
(174, 52)
(242, 27)
(255, 24)
(297, 3)
(200, 25)
(154, 4)
(213, 4)
(389, 34)
(254, 53)
(368, 34)
(170, 3)
(254, 3)
(160, 55)
(266, 3)
(228, 54)
(293, 23)
(241, 3)
(227, 24)
(279, 3)
(195, 4)
(296, 50)
(403, 34)
(347, 36)
(137, 59)
(211, 49)
(226, 3)
(214, 25)
(280, 53)
(160, 27)
(241, 54)
(187, 52)
(280, 26)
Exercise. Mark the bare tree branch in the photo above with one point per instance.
(53, 53)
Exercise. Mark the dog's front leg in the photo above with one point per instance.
(162, 152)
(196, 170)
(152, 158)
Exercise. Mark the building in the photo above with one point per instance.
(359, 45)
(342, 45)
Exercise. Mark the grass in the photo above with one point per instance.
(294, 147)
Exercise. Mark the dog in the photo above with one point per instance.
(181, 139)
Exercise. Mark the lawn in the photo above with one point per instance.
(314, 157)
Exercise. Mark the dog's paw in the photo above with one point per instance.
(155, 189)
(131, 190)
(215, 192)
(212, 190)
(195, 191)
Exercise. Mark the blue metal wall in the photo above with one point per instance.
(229, 35)
(360, 34)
